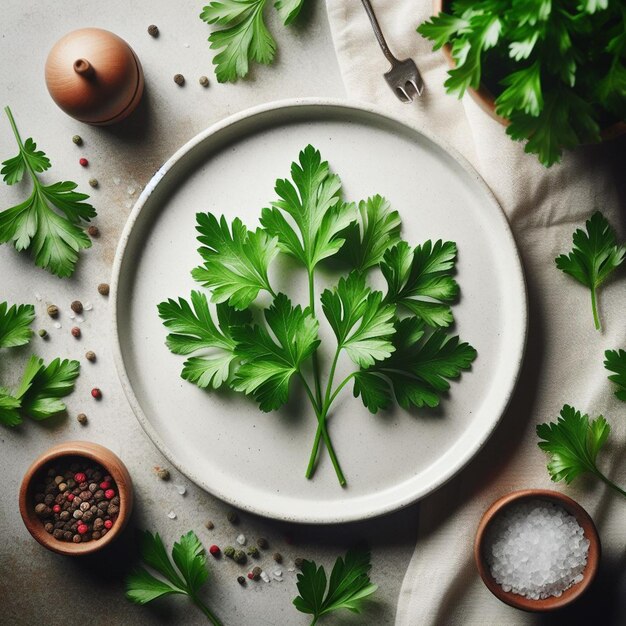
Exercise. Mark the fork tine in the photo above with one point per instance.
(418, 90)
(402, 94)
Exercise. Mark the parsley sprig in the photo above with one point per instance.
(245, 37)
(615, 361)
(185, 576)
(398, 341)
(573, 442)
(41, 388)
(54, 237)
(595, 256)
(558, 68)
(348, 587)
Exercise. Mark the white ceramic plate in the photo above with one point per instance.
(255, 460)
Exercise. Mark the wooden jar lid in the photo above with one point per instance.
(94, 76)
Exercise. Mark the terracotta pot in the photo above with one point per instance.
(486, 100)
(95, 452)
(569, 595)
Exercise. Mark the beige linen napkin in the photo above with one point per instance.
(564, 361)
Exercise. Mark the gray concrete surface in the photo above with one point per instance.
(38, 587)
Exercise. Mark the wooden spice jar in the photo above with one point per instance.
(94, 76)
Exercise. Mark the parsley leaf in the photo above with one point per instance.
(245, 39)
(362, 324)
(418, 370)
(421, 280)
(616, 362)
(288, 10)
(235, 264)
(348, 587)
(194, 330)
(9, 408)
(314, 205)
(190, 559)
(377, 230)
(594, 257)
(573, 443)
(15, 324)
(268, 364)
(54, 237)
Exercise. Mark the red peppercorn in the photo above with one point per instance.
(83, 161)
(96, 393)
(109, 493)
(56, 508)
(80, 477)
(250, 575)
(82, 529)
(70, 496)
(214, 550)
(75, 331)
(108, 524)
(105, 484)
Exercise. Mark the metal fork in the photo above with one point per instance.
(404, 78)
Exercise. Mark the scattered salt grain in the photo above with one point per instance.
(291, 569)
(182, 490)
(171, 515)
(131, 190)
(241, 540)
(37, 296)
(128, 204)
(57, 324)
(116, 180)
(80, 319)
(72, 316)
(265, 576)
(536, 549)
(88, 306)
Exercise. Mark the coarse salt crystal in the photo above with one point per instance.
(171, 515)
(536, 549)
(182, 490)
(57, 324)
(241, 540)
(265, 576)
(88, 306)
(37, 296)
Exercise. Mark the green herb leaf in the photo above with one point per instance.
(421, 280)
(42, 386)
(616, 362)
(288, 10)
(245, 39)
(268, 364)
(54, 238)
(522, 93)
(594, 257)
(349, 585)
(442, 28)
(315, 206)
(15, 324)
(376, 230)
(189, 556)
(418, 371)
(362, 324)
(9, 409)
(235, 264)
(573, 443)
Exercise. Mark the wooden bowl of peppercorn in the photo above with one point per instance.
(76, 498)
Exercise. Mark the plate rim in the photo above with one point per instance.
(151, 432)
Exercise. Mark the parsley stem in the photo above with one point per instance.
(205, 609)
(316, 364)
(610, 483)
(594, 308)
(20, 144)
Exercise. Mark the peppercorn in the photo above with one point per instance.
(93, 182)
(109, 493)
(77, 538)
(78, 140)
(162, 472)
(93, 231)
(240, 557)
(108, 524)
(278, 557)
(214, 550)
(229, 551)
(210, 525)
(153, 30)
(82, 419)
(96, 393)
(103, 289)
(75, 332)
(241, 580)
(253, 551)
(43, 333)
(77, 306)
(298, 562)
(53, 310)
(179, 79)
(90, 355)
(78, 514)
(83, 161)
(58, 480)
(105, 484)
(80, 477)
(262, 543)
(204, 81)
(42, 510)
(49, 527)
(56, 508)
(232, 517)
(256, 573)
(250, 575)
